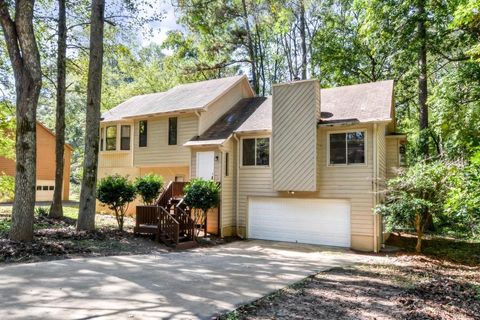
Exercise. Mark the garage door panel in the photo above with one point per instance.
(316, 221)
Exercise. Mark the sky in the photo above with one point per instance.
(160, 29)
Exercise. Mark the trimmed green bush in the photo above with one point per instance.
(202, 195)
(148, 187)
(116, 192)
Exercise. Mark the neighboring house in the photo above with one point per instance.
(45, 165)
(305, 165)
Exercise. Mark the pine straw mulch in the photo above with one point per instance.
(57, 239)
(405, 287)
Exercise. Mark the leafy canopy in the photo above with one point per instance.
(202, 194)
(148, 187)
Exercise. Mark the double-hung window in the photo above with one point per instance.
(142, 133)
(101, 139)
(256, 152)
(172, 131)
(347, 148)
(111, 138)
(125, 138)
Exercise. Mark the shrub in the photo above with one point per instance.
(202, 195)
(7, 187)
(148, 187)
(419, 192)
(116, 192)
(42, 211)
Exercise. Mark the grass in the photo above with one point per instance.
(70, 215)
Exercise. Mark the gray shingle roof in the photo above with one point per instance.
(364, 102)
(186, 97)
(260, 120)
(241, 112)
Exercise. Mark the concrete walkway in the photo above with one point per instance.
(195, 284)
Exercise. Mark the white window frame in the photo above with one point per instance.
(269, 152)
(365, 134)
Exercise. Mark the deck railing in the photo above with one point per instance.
(184, 217)
(174, 189)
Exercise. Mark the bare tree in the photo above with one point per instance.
(25, 59)
(56, 210)
(86, 217)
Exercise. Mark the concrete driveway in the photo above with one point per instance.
(196, 284)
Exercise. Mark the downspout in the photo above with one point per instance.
(375, 177)
(237, 185)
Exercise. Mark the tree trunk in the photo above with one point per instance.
(251, 50)
(86, 217)
(419, 228)
(303, 38)
(56, 210)
(422, 79)
(25, 58)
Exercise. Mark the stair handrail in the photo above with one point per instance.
(169, 227)
(165, 195)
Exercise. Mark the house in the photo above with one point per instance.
(304, 165)
(45, 165)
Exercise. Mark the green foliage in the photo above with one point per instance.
(148, 187)
(202, 194)
(116, 192)
(418, 192)
(7, 187)
(462, 208)
(42, 211)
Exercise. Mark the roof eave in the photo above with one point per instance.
(351, 122)
(253, 131)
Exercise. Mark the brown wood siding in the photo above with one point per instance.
(45, 160)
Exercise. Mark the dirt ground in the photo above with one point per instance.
(57, 239)
(408, 287)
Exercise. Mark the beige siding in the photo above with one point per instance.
(158, 152)
(382, 161)
(223, 104)
(228, 189)
(353, 183)
(168, 173)
(296, 108)
(392, 157)
(115, 159)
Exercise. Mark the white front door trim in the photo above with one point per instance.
(205, 164)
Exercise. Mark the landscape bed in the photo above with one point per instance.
(58, 239)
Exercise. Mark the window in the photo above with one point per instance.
(51, 188)
(125, 138)
(256, 152)
(347, 148)
(39, 188)
(101, 139)
(45, 188)
(111, 138)
(142, 133)
(172, 131)
(226, 164)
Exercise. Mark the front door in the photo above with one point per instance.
(205, 164)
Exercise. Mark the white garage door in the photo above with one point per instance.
(315, 221)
